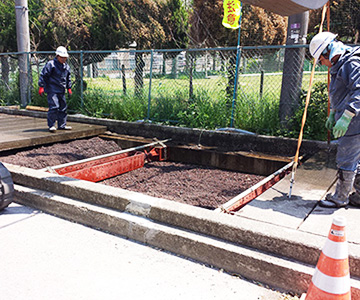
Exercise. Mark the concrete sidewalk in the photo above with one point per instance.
(45, 257)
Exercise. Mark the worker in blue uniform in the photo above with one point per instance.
(55, 80)
(344, 117)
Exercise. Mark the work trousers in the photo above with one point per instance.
(348, 153)
(57, 110)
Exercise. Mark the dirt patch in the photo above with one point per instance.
(192, 184)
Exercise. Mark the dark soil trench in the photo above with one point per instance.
(187, 183)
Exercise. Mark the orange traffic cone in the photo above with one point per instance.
(331, 280)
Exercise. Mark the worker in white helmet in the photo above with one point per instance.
(55, 80)
(344, 118)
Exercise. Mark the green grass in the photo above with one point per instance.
(209, 106)
(215, 84)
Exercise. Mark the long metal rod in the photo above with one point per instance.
(233, 201)
(104, 155)
(82, 79)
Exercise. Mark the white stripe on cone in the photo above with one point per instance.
(332, 285)
(336, 250)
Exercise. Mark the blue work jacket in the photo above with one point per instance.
(55, 77)
(344, 90)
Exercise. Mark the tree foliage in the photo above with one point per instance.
(108, 24)
(258, 27)
(151, 24)
(7, 26)
(60, 22)
(176, 24)
(344, 20)
(98, 24)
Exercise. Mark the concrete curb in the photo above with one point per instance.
(279, 240)
(252, 264)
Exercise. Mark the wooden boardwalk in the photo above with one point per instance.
(21, 131)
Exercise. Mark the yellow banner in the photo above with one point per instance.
(231, 14)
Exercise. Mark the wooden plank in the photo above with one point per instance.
(37, 108)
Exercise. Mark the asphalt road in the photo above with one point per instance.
(45, 257)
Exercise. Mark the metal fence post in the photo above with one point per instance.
(261, 83)
(82, 78)
(150, 81)
(123, 78)
(293, 67)
(235, 86)
(30, 78)
(191, 69)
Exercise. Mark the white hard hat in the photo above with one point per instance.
(61, 51)
(319, 42)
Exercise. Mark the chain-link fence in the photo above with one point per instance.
(168, 85)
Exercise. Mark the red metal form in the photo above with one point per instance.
(88, 164)
(257, 192)
(236, 203)
(97, 169)
(157, 153)
(104, 168)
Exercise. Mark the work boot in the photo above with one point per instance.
(355, 197)
(65, 128)
(343, 188)
(357, 183)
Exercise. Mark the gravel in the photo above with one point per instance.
(187, 183)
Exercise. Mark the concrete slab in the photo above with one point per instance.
(319, 222)
(312, 179)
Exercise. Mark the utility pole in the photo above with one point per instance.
(23, 44)
(293, 66)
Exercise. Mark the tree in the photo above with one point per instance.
(7, 26)
(258, 27)
(344, 20)
(109, 30)
(176, 24)
(151, 24)
(99, 25)
(7, 36)
(58, 22)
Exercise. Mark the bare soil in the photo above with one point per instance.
(187, 183)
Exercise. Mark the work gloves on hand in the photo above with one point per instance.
(70, 92)
(330, 122)
(41, 91)
(342, 124)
